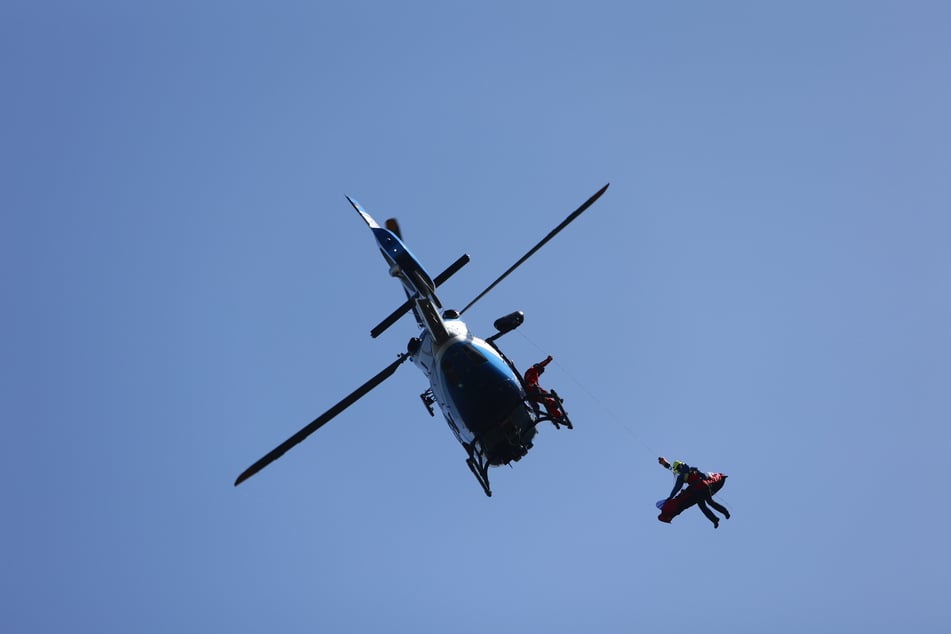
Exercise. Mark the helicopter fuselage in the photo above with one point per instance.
(492, 410)
(479, 391)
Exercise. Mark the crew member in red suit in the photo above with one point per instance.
(539, 394)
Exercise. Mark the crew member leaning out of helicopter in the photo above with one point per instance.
(693, 477)
(539, 394)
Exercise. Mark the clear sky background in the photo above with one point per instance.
(763, 291)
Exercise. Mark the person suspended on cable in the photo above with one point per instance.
(540, 395)
(683, 473)
(700, 489)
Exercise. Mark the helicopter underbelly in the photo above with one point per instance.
(479, 394)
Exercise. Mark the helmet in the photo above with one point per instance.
(677, 466)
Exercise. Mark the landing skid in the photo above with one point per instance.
(479, 469)
(428, 399)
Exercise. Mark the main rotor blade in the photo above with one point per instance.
(318, 422)
(577, 212)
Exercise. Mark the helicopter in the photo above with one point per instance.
(488, 404)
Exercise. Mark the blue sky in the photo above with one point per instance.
(762, 291)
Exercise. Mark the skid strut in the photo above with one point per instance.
(479, 469)
(428, 399)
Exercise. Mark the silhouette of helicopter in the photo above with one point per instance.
(485, 400)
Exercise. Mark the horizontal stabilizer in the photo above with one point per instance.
(408, 304)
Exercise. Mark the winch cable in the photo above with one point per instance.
(611, 415)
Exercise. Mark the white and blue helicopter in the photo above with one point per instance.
(489, 406)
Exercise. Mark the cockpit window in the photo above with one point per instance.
(486, 394)
(460, 363)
